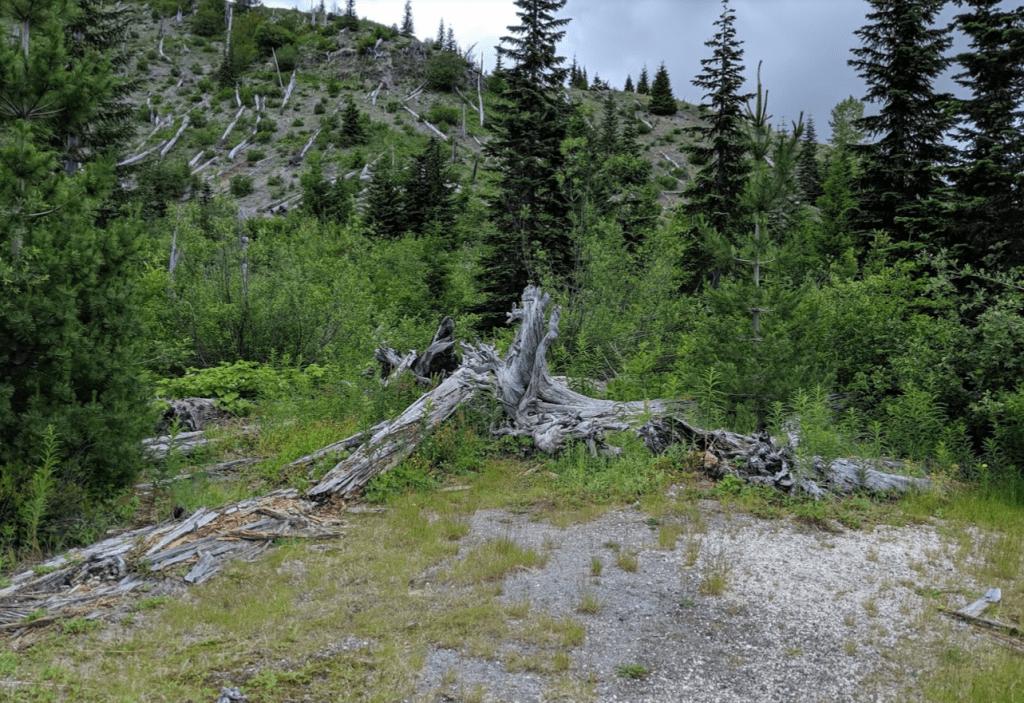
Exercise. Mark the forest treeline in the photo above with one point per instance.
(876, 277)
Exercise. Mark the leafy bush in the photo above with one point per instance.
(209, 18)
(667, 182)
(446, 70)
(443, 115)
(392, 106)
(241, 186)
(287, 58)
(236, 386)
(270, 36)
(255, 155)
(302, 295)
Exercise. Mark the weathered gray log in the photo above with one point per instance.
(975, 609)
(288, 92)
(760, 459)
(231, 126)
(98, 575)
(397, 439)
(439, 360)
(191, 414)
(539, 406)
(184, 443)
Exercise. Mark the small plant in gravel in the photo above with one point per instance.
(633, 671)
(589, 604)
(692, 551)
(628, 559)
(667, 536)
(596, 566)
(716, 574)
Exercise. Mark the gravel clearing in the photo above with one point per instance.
(807, 614)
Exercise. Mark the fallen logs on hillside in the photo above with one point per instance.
(551, 414)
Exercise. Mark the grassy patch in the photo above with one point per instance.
(633, 671)
(717, 572)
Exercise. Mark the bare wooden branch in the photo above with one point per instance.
(170, 144)
(241, 145)
(288, 92)
(231, 126)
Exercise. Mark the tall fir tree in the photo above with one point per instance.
(808, 169)
(351, 132)
(628, 88)
(349, 20)
(608, 138)
(719, 148)
(988, 174)
(98, 28)
(71, 337)
(901, 56)
(836, 233)
(384, 204)
(430, 184)
(757, 324)
(449, 41)
(529, 241)
(441, 36)
(407, 24)
(642, 86)
(844, 122)
(662, 101)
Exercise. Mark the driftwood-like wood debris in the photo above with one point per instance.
(90, 581)
(551, 414)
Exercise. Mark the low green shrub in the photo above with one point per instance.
(241, 186)
(443, 115)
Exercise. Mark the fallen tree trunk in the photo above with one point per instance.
(551, 414)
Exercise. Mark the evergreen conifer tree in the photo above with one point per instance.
(628, 88)
(97, 28)
(71, 338)
(756, 330)
(351, 132)
(529, 240)
(837, 231)
(326, 201)
(642, 86)
(988, 175)
(901, 56)
(449, 41)
(719, 148)
(441, 36)
(429, 191)
(349, 20)
(608, 139)
(844, 121)
(407, 25)
(662, 100)
(384, 211)
(807, 166)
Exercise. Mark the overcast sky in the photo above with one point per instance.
(804, 44)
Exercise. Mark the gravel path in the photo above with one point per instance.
(807, 615)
